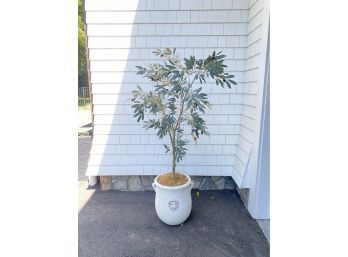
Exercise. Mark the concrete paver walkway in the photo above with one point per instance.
(84, 122)
(85, 143)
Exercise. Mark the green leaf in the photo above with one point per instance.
(233, 82)
(173, 86)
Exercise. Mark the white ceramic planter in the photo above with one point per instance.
(173, 203)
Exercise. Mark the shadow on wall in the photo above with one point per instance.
(120, 40)
(128, 148)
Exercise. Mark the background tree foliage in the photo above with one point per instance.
(175, 100)
(82, 60)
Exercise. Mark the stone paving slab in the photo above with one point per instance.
(125, 224)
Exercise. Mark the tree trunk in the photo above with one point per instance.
(173, 156)
(173, 167)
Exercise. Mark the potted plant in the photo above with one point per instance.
(175, 101)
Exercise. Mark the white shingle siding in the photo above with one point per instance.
(251, 81)
(122, 35)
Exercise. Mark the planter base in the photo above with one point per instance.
(173, 203)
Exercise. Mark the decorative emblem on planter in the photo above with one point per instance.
(173, 205)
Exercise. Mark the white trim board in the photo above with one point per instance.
(258, 202)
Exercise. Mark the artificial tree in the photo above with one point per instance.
(175, 99)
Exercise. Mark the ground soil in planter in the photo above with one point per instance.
(167, 179)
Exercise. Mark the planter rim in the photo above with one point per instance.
(174, 187)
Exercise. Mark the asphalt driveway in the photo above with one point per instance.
(124, 224)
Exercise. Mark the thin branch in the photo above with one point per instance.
(182, 106)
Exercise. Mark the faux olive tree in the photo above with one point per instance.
(175, 100)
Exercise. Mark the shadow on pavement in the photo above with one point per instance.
(125, 224)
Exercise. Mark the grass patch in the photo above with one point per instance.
(84, 103)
